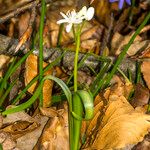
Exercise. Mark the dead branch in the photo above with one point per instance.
(8, 46)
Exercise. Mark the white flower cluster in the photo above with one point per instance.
(74, 17)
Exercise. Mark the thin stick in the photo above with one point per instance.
(22, 9)
(18, 11)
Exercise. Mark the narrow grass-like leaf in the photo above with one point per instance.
(52, 64)
(138, 72)
(3, 82)
(37, 93)
(41, 47)
(3, 97)
(123, 53)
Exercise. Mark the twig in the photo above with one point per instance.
(8, 45)
(22, 9)
(28, 32)
(18, 10)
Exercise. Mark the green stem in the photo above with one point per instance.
(76, 58)
(60, 35)
(123, 53)
(41, 48)
(138, 72)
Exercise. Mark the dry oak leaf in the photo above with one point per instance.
(31, 71)
(121, 125)
(145, 67)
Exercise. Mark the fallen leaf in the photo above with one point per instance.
(55, 134)
(3, 63)
(7, 142)
(29, 140)
(145, 67)
(120, 125)
(31, 71)
(18, 124)
(119, 41)
(141, 96)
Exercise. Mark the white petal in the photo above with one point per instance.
(73, 13)
(64, 15)
(82, 12)
(90, 13)
(62, 21)
(68, 27)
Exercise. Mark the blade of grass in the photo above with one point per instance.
(79, 65)
(3, 82)
(13, 68)
(41, 47)
(37, 93)
(52, 64)
(138, 72)
(129, 74)
(123, 53)
(61, 27)
(7, 92)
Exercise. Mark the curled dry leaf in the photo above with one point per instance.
(119, 125)
(31, 71)
(55, 135)
(18, 124)
(29, 140)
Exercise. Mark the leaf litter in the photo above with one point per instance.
(119, 122)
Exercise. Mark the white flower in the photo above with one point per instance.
(85, 13)
(70, 18)
(76, 18)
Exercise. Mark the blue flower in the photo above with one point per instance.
(121, 2)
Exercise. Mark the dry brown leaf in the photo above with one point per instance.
(31, 71)
(18, 124)
(145, 53)
(29, 140)
(141, 96)
(4, 60)
(145, 67)
(23, 23)
(22, 128)
(137, 46)
(55, 135)
(7, 142)
(119, 41)
(103, 16)
(120, 125)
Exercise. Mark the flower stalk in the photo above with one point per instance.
(72, 18)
